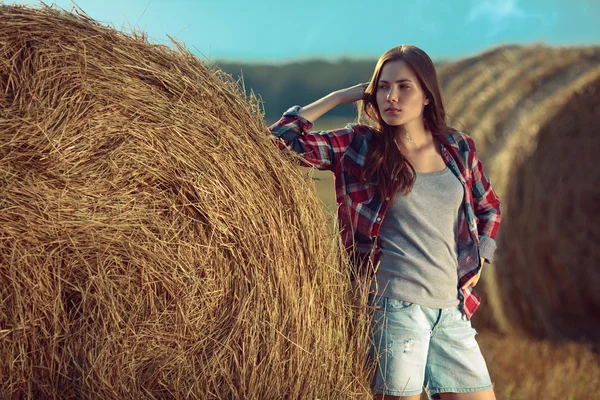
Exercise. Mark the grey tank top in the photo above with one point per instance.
(418, 239)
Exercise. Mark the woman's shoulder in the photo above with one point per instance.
(363, 131)
(358, 132)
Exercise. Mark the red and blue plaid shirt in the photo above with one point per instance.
(361, 208)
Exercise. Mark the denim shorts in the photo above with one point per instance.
(415, 347)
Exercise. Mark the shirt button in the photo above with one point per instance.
(378, 219)
(387, 199)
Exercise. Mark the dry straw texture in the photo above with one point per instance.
(503, 98)
(550, 246)
(154, 243)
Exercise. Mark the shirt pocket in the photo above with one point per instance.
(357, 190)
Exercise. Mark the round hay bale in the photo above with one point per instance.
(549, 71)
(522, 79)
(491, 94)
(452, 75)
(549, 274)
(154, 242)
(473, 85)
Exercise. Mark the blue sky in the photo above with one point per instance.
(271, 30)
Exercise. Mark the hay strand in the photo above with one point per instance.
(154, 243)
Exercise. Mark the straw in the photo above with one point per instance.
(550, 257)
(493, 96)
(154, 242)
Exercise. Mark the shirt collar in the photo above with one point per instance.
(448, 139)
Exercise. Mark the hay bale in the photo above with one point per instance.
(471, 83)
(493, 109)
(454, 75)
(154, 243)
(491, 94)
(549, 237)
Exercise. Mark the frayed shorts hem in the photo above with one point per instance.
(398, 392)
(459, 390)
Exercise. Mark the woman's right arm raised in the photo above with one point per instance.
(320, 149)
(344, 96)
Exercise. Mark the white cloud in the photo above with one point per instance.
(496, 10)
(500, 14)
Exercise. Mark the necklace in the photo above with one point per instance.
(409, 137)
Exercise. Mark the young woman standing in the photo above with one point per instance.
(415, 207)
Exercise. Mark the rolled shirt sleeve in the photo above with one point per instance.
(319, 149)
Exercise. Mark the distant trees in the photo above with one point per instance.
(282, 86)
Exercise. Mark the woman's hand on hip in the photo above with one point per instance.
(475, 278)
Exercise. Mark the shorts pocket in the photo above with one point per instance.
(393, 305)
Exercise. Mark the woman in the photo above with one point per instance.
(414, 206)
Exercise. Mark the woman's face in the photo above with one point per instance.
(400, 98)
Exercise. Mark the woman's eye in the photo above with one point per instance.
(404, 86)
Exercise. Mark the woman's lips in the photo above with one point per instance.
(392, 111)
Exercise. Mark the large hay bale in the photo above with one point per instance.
(154, 243)
(492, 99)
(549, 273)
(488, 97)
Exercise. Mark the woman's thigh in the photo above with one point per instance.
(400, 345)
(455, 363)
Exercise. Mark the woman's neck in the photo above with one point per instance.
(413, 136)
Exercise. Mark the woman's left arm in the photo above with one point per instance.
(486, 207)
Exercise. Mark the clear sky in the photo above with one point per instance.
(275, 30)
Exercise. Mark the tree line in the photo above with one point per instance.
(281, 86)
(299, 83)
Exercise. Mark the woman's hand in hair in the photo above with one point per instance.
(343, 96)
(351, 94)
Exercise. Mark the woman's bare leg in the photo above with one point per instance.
(387, 397)
(485, 395)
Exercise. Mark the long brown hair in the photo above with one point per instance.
(384, 160)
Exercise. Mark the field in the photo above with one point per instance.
(521, 367)
(154, 243)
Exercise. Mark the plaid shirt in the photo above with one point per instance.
(361, 208)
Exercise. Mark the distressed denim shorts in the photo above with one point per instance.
(416, 347)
